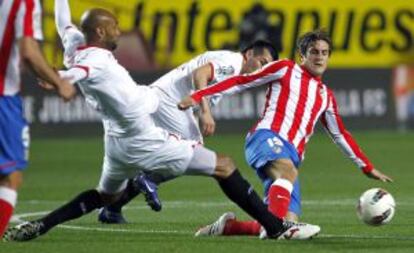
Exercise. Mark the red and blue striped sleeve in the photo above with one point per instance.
(269, 73)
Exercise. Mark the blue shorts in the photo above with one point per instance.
(264, 146)
(14, 135)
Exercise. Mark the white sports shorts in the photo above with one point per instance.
(172, 157)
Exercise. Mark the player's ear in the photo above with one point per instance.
(301, 56)
(100, 32)
(249, 53)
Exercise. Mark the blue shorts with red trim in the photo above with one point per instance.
(14, 135)
(264, 146)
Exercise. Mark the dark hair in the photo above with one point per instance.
(259, 46)
(306, 40)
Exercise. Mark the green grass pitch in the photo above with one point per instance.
(331, 185)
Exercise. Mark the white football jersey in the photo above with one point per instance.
(178, 83)
(109, 88)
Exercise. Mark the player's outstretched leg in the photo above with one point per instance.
(82, 204)
(240, 191)
(227, 225)
(112, 214)
(24, 232)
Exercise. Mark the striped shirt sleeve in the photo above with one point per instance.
(28, 21)
(271, 72)
(334, 125)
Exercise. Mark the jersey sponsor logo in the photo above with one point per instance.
(225, 70)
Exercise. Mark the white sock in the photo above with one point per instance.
(8, 195)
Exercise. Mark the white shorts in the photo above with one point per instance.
(175, 121)
(125, 157)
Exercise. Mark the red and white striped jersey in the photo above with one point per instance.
(295, 100)
(18, 18)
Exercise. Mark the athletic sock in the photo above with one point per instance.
(235, 227)
(8, 198)
(130, 192)
(279, 197)
(82, 204)
(240, 192)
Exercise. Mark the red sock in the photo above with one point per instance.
(279, 197)
(235, 227)
(7, 201)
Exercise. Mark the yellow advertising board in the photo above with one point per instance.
(365, 33)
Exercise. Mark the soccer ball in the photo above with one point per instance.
(376, 207)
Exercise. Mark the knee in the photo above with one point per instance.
(282, 169)
(225, 166)
(13, 180)
(291, 174)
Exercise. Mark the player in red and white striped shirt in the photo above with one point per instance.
(20, 27)
(296, 99)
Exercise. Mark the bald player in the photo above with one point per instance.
(132, 141)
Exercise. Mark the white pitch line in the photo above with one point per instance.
(380, 237)
(18, 218)
(137, 231)
(182, 204)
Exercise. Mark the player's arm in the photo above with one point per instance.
(201, 77)
(72, 76)
(75, 74)
(27, 31)
(32, 56)
(271, 72)
(62, 16)
(334, 125)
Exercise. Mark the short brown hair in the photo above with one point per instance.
(306, 40)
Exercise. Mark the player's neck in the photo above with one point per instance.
(97, 44)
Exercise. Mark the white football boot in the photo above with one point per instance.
(24, 232)
(216, 228)
(295, 231)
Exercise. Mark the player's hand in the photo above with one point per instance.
(208, 125)
(378, 175)
(186, 103)
(66, 90)
(45, 85)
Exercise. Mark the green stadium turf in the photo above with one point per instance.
(331, 185)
